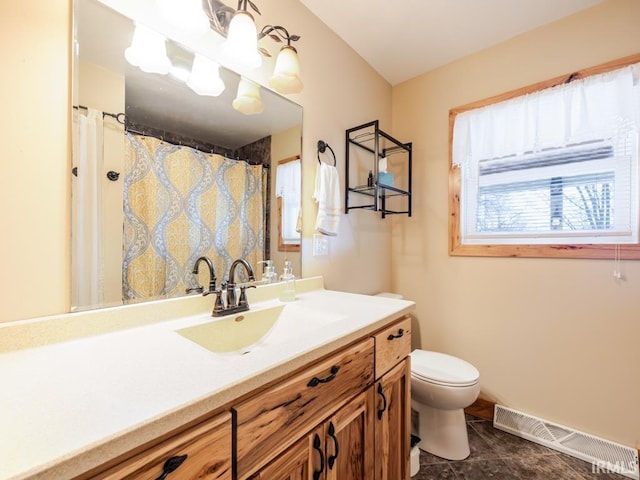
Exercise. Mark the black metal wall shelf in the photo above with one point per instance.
(370, 138)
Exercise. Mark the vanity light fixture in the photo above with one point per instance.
(241, 46)
(286, 74)
(205, 77)
(148, 51)
(248, 99)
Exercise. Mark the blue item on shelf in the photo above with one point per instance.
(385, 178)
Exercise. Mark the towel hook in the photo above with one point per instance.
(113, 176)
(322, 147)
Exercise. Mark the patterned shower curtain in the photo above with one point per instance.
(179, 204)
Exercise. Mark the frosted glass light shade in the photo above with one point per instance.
(286, 74)
(248, 99)
(205, 77)
(185, 14)
(241, 46)
(148, 51)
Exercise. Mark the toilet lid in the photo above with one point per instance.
(443, 369)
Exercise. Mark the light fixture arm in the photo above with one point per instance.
(243, 6)
(280, 33)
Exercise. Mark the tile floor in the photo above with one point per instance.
(499, 455)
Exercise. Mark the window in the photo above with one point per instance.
(550, 170)
(288, 178)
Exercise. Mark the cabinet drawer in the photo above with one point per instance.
(269, 423)
(207, 448)
(392, 345)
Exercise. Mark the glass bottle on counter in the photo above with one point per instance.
(288, 279)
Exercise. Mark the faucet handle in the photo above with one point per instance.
(198, 289)
(242, 301)
(218, 304)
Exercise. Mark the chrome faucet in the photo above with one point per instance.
(232, 302)
(212, 277)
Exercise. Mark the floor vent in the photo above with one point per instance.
(604, 456)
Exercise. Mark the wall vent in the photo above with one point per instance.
(604, 456)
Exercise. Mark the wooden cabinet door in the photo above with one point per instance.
(270, 423)
(303, 461)
(392, 423)
(341, 448)
(349, 440)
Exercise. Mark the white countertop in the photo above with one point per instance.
(70, 406)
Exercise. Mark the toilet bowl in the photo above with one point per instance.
(441, 387)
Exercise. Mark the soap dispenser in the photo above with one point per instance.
(288, 279)
(269, 274)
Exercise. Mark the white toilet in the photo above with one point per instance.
(441, 387)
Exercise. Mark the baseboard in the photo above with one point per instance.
(481, 408)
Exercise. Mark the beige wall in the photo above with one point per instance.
(554, 338)
(341, 91)
(34, 186)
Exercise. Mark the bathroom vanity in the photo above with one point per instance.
(323, 394)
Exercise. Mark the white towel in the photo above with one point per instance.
(382, 165)
(327, 195)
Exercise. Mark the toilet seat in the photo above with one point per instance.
(443, 369)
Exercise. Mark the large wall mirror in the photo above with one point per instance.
(162, 174)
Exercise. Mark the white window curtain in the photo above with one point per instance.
(288, 177)
(555, 166)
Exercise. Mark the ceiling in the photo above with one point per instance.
(404, 39)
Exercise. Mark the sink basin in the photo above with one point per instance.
(235, 333)
(244, 332)
(297, 320)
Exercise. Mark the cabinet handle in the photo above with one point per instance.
(315, 381)
(317, 445)
(332, 458)
(384, 402)
(171, 465)
(399, 335)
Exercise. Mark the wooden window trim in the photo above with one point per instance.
(456, 248)
(285, 247)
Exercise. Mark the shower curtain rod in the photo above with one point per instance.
(160, 137)
(119, 117)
